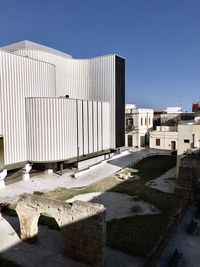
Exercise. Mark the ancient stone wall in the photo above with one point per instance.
(195, 168)
(188, 176)
(82, 225)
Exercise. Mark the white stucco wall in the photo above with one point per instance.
(196, 132)
(165, 139)
(139, 130)
(188, 132)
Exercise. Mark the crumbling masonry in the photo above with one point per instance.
(82, 225)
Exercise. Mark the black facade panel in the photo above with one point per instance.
(120, 100)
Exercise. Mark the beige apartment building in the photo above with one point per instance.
(184, 137)
(164, 137)
(139, 122)
(188, 137)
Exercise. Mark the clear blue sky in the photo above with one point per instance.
(160, 40)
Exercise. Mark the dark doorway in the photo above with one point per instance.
(147, 139)
(173, 145)
(130, 140)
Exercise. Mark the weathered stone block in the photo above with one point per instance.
(82, 224)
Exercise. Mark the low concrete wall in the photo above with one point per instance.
(82, 225)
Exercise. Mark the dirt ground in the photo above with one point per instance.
(47, 251)
(165, 183)
(118, 205)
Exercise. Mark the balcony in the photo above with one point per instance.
(130, 128)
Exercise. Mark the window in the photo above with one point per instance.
(130, 121)
(186, 141)
(141, 121)
(145, 121)
(149, 121)
(157, 142)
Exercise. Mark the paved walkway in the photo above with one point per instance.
(136, 156)
(45, 182)
(186, 244)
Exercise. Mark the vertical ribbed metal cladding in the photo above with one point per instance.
(83, 144)
(56, 138)
(1, 111)
(93, 137)
(93, 79)
(20, 77)
(55, 126)
(120, 101)
(77, 132)
(98, 126)
(88, 126)
(101, 126)
(106, 125)
(80, 127)
(95, 125)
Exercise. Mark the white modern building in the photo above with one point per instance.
(138, 123)
(54, 108)
(164, 137)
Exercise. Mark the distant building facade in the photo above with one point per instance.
(164, 137)
(166, 134)
(188, 136)
(196, 107)
(182, 138)
(139, 121)
(171, 116)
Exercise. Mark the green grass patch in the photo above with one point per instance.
(152, 167)
(135, 235)
(102, 186)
